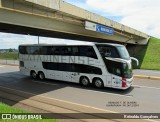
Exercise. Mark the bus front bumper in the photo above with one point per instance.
(129, 83)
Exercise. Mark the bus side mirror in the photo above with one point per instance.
(135, 60)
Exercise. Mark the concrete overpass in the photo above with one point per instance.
(56, 18)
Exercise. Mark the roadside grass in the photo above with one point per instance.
(9, 56)
(8, 109)
(148, 55)
(151, 58)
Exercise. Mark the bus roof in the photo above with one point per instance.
(72, 44)
(60, 44)
(110, 44)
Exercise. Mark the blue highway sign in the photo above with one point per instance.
(104, 29)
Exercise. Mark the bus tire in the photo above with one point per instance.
(84, 81)
(41, 75)
(98, 83)
(33, 74)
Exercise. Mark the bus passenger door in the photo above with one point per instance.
(65, 71)
(75, 74)
(75, 77)
(116, 81)
(109, 80)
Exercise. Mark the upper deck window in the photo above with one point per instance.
(108, 51)
(86, 51)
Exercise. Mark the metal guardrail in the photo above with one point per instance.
(9, 62)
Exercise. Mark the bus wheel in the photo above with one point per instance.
(41, 76)
(84, 81)
(33, 75)
(97, 82)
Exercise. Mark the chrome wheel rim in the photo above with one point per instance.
(98, 83)
(34, 75)
(84, 81)
(41, 76)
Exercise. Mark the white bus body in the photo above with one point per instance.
(102, 65)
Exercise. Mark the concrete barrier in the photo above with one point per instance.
(147, 77)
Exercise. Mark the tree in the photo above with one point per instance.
(10, 50)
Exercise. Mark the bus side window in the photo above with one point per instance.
(92, 53)
(50, 65)
(65, 67)
(39, 51)
(50, 50)
(87, 51)
(56, 50)
(66, 51)
(33, 50)
(75, 51)
(28, 50)
(47, 50)
(22, 49)
(86, 69)
(82, 51)
(43, 50)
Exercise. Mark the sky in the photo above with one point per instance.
(143, 15)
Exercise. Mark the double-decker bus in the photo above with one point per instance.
(100, 64)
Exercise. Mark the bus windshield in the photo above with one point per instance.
(118, 68)
(115, 67)
(123, 52)
(113, 51)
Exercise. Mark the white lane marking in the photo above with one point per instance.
(45, 83)
(99, 91)
(146, 87)
(83, 89)
(151, 120)
(104, 110)
(109, 93)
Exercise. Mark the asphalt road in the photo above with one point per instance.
(142, 97)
